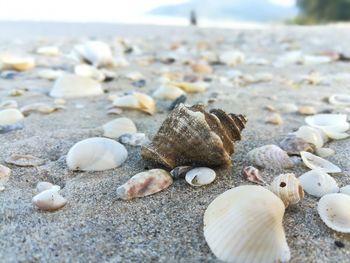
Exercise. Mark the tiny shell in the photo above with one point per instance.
(94, 52)
(311, 135)
(294, 145)
(10, 116)
(340, 100)
(134, 76)
(96, 154)
(334, 210)
(134, 139)
(270, 156)
(307, 110)
(117, 127)
(314, 60)
(10, 127)
(48, 51)
(314, 162)
(318, 183)
(288, 188)
(43, 186)
(190, 87)
(5, 173)
(49, 74)
(49, 200)
(24, 160)
(18, 63)
(200, 176)
(168, 92)
(8, 104)
(275, 119)
(252, 174)
(345, 189)
(180, 171)
(202, 67)
(329, 122)
(39, 108)
(138, 101)
(144, 184)
(232, 58)
(89, 72)
(324, 152)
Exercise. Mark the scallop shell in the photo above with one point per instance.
(138, 101)
(232, 58)
(49, 200)
(73, 86)
(5, 173)
(96, 53)
(180, 171)
(294, 145)
(311, 135)
(340, 100)
(144, 184)
(334, 210)
(96, 154)
(10, 116)
(244, 224)
(117, 127)
(190, 135)
(288, 188)
(43, 186)
(345, 189)
(48, 51)
(190, 87)
(24, 160)
(88, 71)
(39, 108)
(318, 183)
(168, 92)
(18, 63)
(329, 122)
(252, 174)
(269, 156)
(314, 162)
(200, 176)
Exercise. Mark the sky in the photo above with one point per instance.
(123, 11)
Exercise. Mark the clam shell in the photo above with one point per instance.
(5, 173)
(200, 176)
(202, 67)
(311, 135)
(18, 63)
(88, 71)
(49, 200)
(117, 127)
(168, 92)
(180, 171)
(314, 162)
(318, 183)
(43, 186)
(294, 145)
(190, 135)
(96, 53)
(8, 104)
(144, 184)
(244, 224)
(73, 86)
(334, 210)
(252, 174)
(10, 116)
(232, 58)
(288, 188)
(138, 101)
(190, 87)
(307, 110)
(48, 51)
(269, 156)
(340, 99)
(345, 189)
(96, 154)
(49, 74)
(329, 122)
(24, 160)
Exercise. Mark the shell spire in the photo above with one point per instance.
(193, 136)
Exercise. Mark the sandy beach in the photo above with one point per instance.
(168, 226)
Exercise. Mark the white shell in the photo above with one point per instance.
(200, 176)
(5, 173)
(96, 154)
(232, 58)
(97, 53)
(311, 135)
(345, 189)
(318, 183)
(73, 86)
(117, 127)
(134, 139)
(270, 156)
(8, 104)
(244, 225)
(314, 162)
(89, 72)
(136, 100)
(43, 186)
(49, 74)
(48, 51)
(18, 63)
(329, 122)
(191, 87)
(49, 200)
(340, 99)
(334, 210)
(10, 116)
(39, 107)
(168, 92)
(314, 60)
(324, 152)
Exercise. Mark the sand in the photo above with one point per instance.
(168, 226)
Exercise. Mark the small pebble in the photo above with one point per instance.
(275, 119)
(307, 110)
(139, 83)
(339, 244)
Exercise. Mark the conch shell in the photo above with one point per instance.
(190, 135)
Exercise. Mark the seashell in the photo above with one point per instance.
(315, 162)
(200, 176)
(307, 110)
(288, 188)
(234, 238)
(315, 60)
(114, 111)
(232, 58)
(314, 78)
(252, 174)
(134, 76)
(168, 92)
(5, 173)
(95, 52)
(318, 183)
(190, 87)
(8, 104)
(269, 156)
(324, 152)
(96, 154)
(10, 127)
(24, 160)
(49, 200)
(17, 92)
(134, 139)
(334, 210)
(43, 186)
(138, 101)
(59, 102)
(202, 67)
(108, 74)
(256, 78)
(202, 138)
(88, 71)
(139, 83)
(275, 119)
(10, 116)
(270, 108)
(294, 145)
(73, 86)
(39, 108)
(177, 101)
(331, 123)
(287, 108)
(49, 74)
(180, 171)
(311, 135)
(345, 189)
(144, 184)
(48, 51)
(289, 58)
(117, 127)
(18, 63)
(340, 99)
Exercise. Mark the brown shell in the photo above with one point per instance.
(192, 136)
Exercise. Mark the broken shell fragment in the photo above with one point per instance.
(288, 188)
(329, 122)
(334, 210)
(96, 154)
(39, 108)
(200, 176)
(190, 135)
(138, 101)
(340, 100)
(43, 186)
(253, 175)
(134, 139)
(270, 156)
(318, 183)
(24, 160)
(314, 162)
(311, 135)
(94, 52)
(49, 74)
(180, 171)
(144, 184)
(345, 189)
(117, 127)
(294, 145)
(168, 92)
(10, 116)
(234, 238)
(5, 173)
(275, 119)
(88, 71)
(49, 200)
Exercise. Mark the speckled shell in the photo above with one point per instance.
(190, 135)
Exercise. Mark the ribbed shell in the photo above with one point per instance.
(192, 136)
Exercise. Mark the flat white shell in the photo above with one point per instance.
(334, 210)
(97, 53)
(49, 200)
(244, 225)
(340, 99)
(73, 86)
(49, 74)
(48, 51)
(10, 116)
(96, 154)
(200, 176)
(43, 186)
(168, 92)
(329, 122)
(318, 183)
(118, 127)
(314, 162)
(345, 189)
